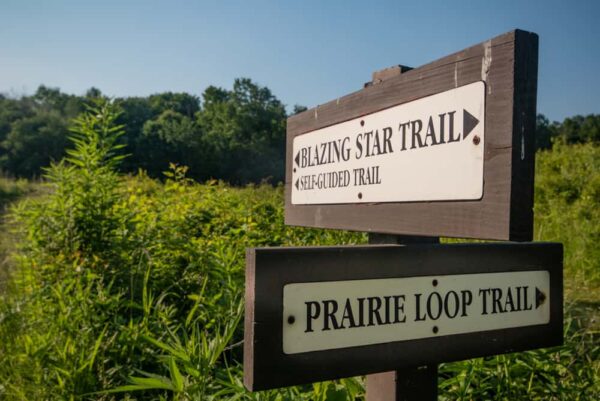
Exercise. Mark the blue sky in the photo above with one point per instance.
(306, 52)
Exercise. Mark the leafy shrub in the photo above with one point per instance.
(128, 288)
(126, 284)
(567, 209)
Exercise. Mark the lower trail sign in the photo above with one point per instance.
(322, 313)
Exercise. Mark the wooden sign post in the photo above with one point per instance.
(408, 384)
(446, 149)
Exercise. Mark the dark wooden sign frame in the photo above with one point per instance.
(508, 66)
(269, 269)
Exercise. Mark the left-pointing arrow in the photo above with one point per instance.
(297, 184)
(297, 159)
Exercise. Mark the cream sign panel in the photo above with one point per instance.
(341, 314)
(431, 149)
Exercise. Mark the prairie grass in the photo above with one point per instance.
(130, 288)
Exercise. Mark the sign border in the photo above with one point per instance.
(269, 269)
(508, 66)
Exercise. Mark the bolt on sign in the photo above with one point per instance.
(446, 149)
(315, 314)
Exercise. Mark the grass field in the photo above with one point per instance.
(129, 288)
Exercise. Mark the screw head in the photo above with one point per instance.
(291, 319)
(435, 329)
(360, 195)
(434, 282)
(476, 140)
(362, 123)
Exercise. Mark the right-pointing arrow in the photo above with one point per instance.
(469, 122)
(540, 297)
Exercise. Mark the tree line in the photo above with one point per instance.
(235, 135)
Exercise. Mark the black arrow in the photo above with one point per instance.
(297, 159)
(297, 186)
(540, 297)
(469, 122)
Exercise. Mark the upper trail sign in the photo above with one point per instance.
(387, 156)
(446, 149)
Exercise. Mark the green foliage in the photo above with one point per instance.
(580, 129)
(544, 133)
(81, 219)
(567, 208)
(128, 285)
(129, 288)
(33, 130)
(562, 373)
(11, 190)
(244, 133)
(238, 136)
(33, 142)
(572, 130)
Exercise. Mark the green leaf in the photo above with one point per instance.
(176, 377)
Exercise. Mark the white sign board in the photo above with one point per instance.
(430, 149)
(340, 314)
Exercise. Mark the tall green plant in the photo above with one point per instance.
(81, 220)
(57, 326)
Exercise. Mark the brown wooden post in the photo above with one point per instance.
(411, 384)
(382, 75)
(418, 384)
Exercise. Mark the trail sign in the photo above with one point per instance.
(350, 313)
(387, 156)
(446, 149)
(314, 314)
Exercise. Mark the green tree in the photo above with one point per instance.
(136, 111)
(52, 100)
(32, 143)
(590, 129)
(182, 103)
(580, 129)
(298, 109)
(171, 138)
(12, 110)
(545, 132)
(244, 133)
(157, 130)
